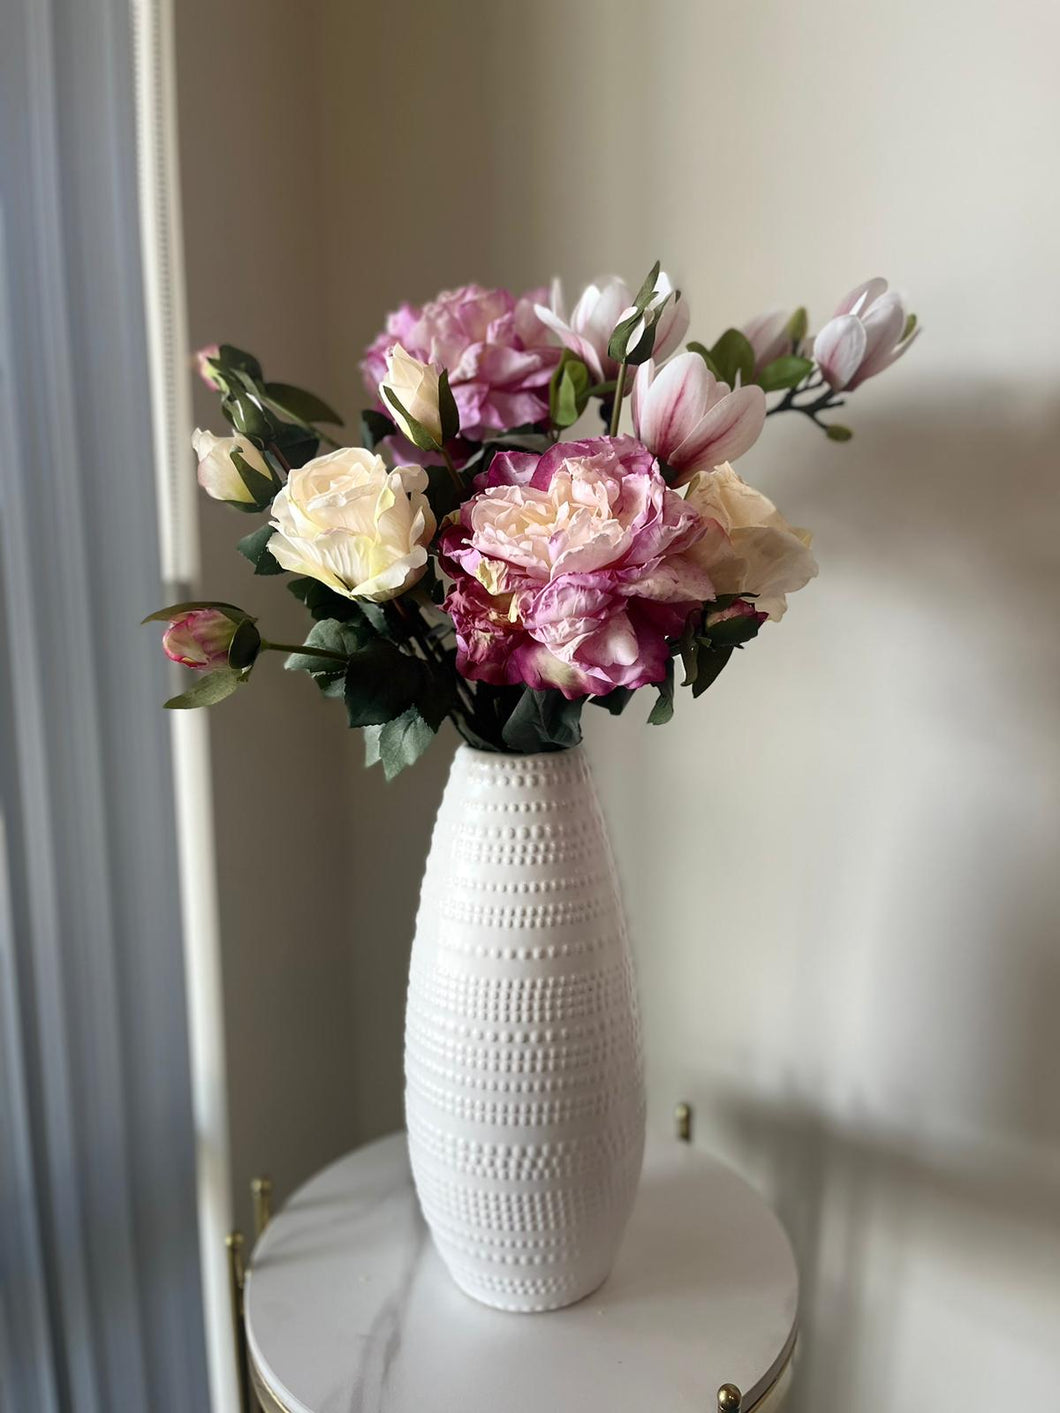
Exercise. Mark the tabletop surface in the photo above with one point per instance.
(349, 1308)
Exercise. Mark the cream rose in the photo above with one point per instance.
(359, 528)
(415, 385)
(218, 475)
(750, 548)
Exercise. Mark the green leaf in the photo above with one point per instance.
(543, 721)
(443, 495)
(261, 487)
(614, 701)
(398, 743)
(244, 647)
(416, 432)
(732, 632)
(836, 433)
(448, 412)
(785, 372)
(333, 637)
(374, 427)
(231, 358)
(323, 602)
(732, 355)
(704, 353)
(175, 610)
(910, 325)
(300, 404)
(709, 665)
(247, 416)
(797, 325)
(295, 443)
(213, 687)
(381, 683)
(617, 346)
(255, 547)
(663, 709)
(568, 392)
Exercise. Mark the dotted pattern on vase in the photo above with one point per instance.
(524, 1084)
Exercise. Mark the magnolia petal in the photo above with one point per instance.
(730, 428)
(883, 324)
(839, 349)
(859, 298)
(669, 403)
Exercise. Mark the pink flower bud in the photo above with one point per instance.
(869, 331)
(199, 639)
(689, 419)
(202, 365)
(741, 608)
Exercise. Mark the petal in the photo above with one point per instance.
(669, 404)
(731, 427)
(883, 325)
(839, 349)
(859, 299)
(672, 328)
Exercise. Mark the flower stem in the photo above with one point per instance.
(616, 406)
(454, 474)
(302, 649)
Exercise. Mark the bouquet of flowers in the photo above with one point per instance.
(470, 561)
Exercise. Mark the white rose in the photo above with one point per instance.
(751, 549)
(357, 527)
(415, 385)
(218, 475)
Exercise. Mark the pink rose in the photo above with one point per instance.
(496, 350)
(199, 639)
(570, 569)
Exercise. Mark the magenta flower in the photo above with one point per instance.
(497, 353)
(868, 332)
(199, 639)
(690, 420)
(570, 569)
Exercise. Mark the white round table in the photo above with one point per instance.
(350, 1310)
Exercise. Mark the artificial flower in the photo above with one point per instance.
(358, 527)
(199, 639)
(769, 336)
(600, 306)
(218, 475)
(496, 351)
(415, 386)
(690, 420)
(749, 548)
(869, 331)
(572, 569)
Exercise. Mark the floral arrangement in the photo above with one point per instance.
(468, 561)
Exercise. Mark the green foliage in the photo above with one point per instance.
(374, 427)
(176, 610)
(785, 372)
(614, 701)
(299, 404)
(543, 721)
(398, 743)
(255, 547)
(323, 602)
(618, 344)
(381, 683)
(733, 356)
(797, 326)
(695, 347)
(568, 392)
(663, 709)
(208, 690)
(443, 493)
(836, 433)
(334, 637)
(448, 412)
(262, 488)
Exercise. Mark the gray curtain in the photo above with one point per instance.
(100, 1308)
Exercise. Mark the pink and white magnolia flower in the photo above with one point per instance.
(602, 305)
(572, 569)
(199, 639)
(498, 354)
(690, 420)
(866, 334)
(769, 337)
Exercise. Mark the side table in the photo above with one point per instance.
(348, 1308)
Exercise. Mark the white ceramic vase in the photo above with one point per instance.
(524, 1086)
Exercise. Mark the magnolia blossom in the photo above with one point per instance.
(769, 337)
(495, 349)
(603, 304)
(218, 475)
(199, 639)
(572, 569)
(868, 332)
(415, 385)
(690, 420)
(749, 547)
(359, 528)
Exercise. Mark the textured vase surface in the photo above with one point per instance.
(524, 1085)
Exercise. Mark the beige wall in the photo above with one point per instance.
(841, 863)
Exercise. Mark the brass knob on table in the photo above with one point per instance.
(729, 1399)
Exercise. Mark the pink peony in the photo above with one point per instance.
(571, 569)
(496, 350)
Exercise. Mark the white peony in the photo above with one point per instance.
(750, 548)
(358, 527)
(218, 475)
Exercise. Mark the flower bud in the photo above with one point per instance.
(199, 639)
(415, 386)
(208, 374)
(218, 474)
